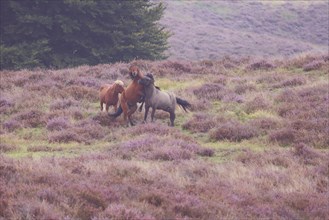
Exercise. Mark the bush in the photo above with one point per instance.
(64, 136)
(260, 65)
(200, 122)
(233, 131)
(211, 91)
(11, 125)
(6, 148)
(63, 104)
(313, 65)
(31, 118)
(258, 103)
(296, 81)
(284, 136)
(59, 123)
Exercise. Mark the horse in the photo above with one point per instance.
(158, 99)
(133, 94)
(109, 94)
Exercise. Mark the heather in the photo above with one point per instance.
(253, 146)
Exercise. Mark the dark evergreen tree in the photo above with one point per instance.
(63, 33)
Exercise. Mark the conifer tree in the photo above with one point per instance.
(65, 33)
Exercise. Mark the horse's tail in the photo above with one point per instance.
(183, 103)
(116, 114)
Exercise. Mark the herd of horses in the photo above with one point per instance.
(141, 90)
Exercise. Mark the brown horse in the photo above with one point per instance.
(109, 94)
(133, 94)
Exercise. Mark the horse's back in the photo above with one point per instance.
(104, 90)
(165, 100)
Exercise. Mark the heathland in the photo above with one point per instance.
(254, 145)
(213, 29)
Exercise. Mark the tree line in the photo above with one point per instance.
(66, 33)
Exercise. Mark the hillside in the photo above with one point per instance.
(254, 145)
(213, 29)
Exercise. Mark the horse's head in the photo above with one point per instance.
(147, 80)
(119, 86)
(135, 73)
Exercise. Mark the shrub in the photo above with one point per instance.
(153, 148)
(313, 65)
(105, 120)
(260, 65)
(258, 103)
(43, 148)
(211, 91)
(63, 104)
(89, 132)
(200, 122)
(306, 154)
(200, 104)
(11, 125)
(243, 88)
(64, 136)
(31, 118)
(5, 105)
(296, 81)
(233, 131)
(6, 148)
(82, 92)
(121, 211)
(59, 123)
(265, 124)
(284, 136)
(184, 67)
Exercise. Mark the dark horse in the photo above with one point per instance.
(133, 93)
(157, 99)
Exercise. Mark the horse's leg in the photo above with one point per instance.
(124, 107)
(115, 107)
(172, 118)
(146, 112)
(107, 107)
(141, 107)
(132, 109)
(152, 114)
(101, 106)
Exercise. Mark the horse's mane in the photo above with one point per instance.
(150, 75)
(119, 82)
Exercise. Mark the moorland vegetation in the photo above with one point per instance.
(254, 144)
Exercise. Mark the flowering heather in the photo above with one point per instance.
(254, 145)
(295, 81)
(57, 124)
(63, 104)
(6, 148)
(81, 92)
(200, 122)
(260, 65)
(11, 125)
(258, 103)
(153, 148)
(233, 131)
(284, 136)
(30, 118)
(211, 91)
(5, 105)
(314, 65)
(307, 110)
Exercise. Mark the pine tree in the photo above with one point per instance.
(65, 33)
